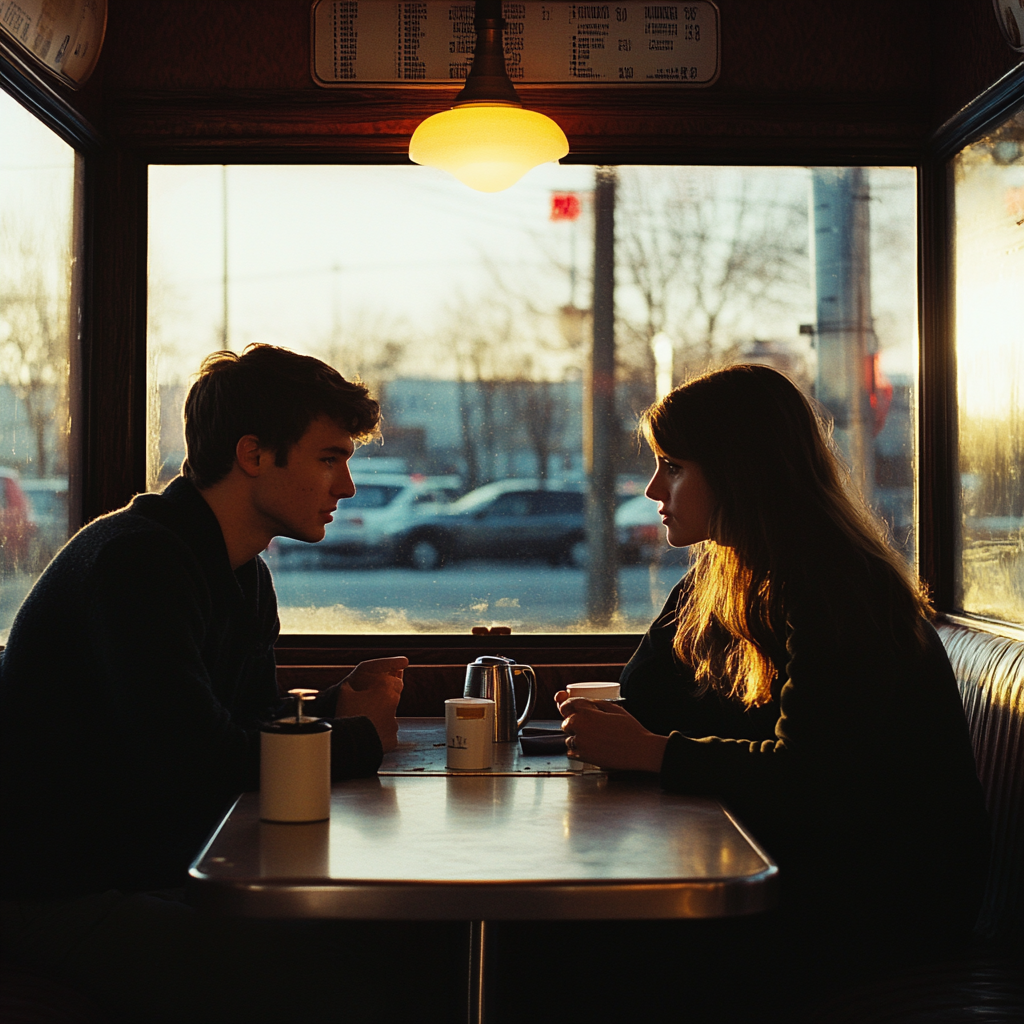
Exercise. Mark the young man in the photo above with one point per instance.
(137, 674)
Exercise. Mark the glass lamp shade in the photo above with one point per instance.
(487, 146)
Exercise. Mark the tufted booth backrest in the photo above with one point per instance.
(990, 671)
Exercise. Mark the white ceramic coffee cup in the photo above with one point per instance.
(594, 691)
(469, 728)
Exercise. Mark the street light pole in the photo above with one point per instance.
(601, 422)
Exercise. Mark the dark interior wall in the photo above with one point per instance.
(795, 74)
(969, 53)
(798, 76)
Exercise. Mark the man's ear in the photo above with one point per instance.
(251, 458)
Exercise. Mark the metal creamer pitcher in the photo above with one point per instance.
(492, 676)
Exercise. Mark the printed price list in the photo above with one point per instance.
(360, 42)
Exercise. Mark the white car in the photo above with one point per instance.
(640, 531)
(366, 525)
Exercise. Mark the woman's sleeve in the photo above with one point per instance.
(822, 730)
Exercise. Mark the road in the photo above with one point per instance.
(528, 597)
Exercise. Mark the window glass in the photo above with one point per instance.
(988, 194)
(37, 174)
(371, 496)
(468, 315)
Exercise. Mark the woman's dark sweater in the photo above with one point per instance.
(137, 673)
(858, 776)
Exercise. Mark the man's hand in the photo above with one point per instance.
(373, 689)
(602, 733)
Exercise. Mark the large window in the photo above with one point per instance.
(37, 174)
(988, 189)
(469, 316)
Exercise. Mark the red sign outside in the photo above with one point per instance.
(565, 206)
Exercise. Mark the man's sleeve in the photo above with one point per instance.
(148, 622)
(356, 749)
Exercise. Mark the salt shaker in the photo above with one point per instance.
(295, 766)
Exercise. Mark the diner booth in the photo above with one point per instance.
(186, 104)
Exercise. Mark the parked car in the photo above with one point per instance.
(17, 524)
(48, 498)
(369, 526)
(639, 530)
(514, 519)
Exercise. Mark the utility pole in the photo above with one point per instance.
(845, 333)
(224, 269)
(600, 421)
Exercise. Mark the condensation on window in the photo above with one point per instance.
(469, 316)
(37, 175)
(988, 189)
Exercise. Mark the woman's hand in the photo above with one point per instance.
(603, 733)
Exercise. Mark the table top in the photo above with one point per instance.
(504, 845)
(422, 750)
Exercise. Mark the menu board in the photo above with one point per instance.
(62, 36)
(431, 42)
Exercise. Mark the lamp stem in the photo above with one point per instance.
(488, 81)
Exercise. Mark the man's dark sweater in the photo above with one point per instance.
(137, 673)
(858, 775)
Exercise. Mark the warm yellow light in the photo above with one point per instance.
(487, 146)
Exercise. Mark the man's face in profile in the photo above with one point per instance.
(296, 500)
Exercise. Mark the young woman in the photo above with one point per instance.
(795, 675)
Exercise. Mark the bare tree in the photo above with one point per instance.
(34, 352)
(704, 253)
(478, 339)
(541, 412)
(371, 345)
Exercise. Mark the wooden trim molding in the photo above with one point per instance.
(42, 97)
(114, 346)
(985, 111)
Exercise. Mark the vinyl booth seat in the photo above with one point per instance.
(985, 982)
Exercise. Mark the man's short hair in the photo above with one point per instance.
(273, 394)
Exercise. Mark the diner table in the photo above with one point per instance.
(531, 838)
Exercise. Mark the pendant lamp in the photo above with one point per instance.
(487, 140)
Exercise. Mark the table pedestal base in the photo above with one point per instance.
(476, 988)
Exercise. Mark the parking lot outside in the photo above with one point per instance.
(530, 597)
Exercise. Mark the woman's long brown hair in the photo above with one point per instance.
(787, 530)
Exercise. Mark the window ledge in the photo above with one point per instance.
(994, 626)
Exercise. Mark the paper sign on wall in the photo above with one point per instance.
(430, 42)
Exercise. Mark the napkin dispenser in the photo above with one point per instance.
(295, 767)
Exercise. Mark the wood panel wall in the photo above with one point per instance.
(437, 672)
(797, 75)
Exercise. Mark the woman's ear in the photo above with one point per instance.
(248, 455)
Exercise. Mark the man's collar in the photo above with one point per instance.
(181, 508)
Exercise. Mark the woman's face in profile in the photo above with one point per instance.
(685, 500)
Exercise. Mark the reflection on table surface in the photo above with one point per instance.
(489, 846)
